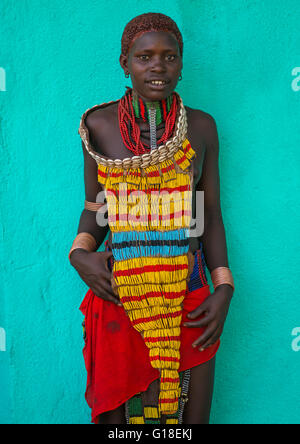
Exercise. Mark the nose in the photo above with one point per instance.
(158, 65)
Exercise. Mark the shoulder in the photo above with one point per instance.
(96, 126)
(202, 119)
(92, 126)
(99, 116)
(204, 124)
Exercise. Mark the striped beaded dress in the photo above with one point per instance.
(149, 202)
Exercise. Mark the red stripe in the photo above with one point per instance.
(116, 174)
(151, 268)
(154, 173)
(169, 168)
(187, 148)
(147, 218)
(162, 338)
(100, 173)
(155, 318)
(181, 188)
(142, 108)
(153, 294)
(182, 159)
(170, 379)
(164, 358)
(170, 400)
(164, 107)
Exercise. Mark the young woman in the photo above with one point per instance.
(152, 326)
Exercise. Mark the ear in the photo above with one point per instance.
(124, 62)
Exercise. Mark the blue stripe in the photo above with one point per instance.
(134, 252)
(150, 235)
(149, 250)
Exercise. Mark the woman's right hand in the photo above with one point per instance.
(93, 269)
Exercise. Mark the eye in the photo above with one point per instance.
(171, 56)
(143, 55)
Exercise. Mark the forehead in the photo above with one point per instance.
(155, 39)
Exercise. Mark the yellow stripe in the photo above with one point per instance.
(144, 303)
(161, 332)
(129, 264)
(185, 143)
(144, 277)
(164, 288)
(162, 323)
(164, 344)
(136, 420)
(151, 412)
(178, 222)
(164, 353)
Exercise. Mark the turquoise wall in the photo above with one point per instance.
(241, 65)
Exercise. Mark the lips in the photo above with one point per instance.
(158, 80)
(158, 86)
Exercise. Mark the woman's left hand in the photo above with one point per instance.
(215, 309)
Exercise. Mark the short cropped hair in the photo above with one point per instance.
(151, 21)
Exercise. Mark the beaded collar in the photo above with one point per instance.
(154, 156)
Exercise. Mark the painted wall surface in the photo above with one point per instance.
(241, 65)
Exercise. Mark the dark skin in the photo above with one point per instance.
(156, 55)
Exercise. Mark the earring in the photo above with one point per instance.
(180, 77)
(127, 75)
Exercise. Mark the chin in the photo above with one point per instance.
(157, 95)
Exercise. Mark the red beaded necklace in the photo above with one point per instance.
(130, 130)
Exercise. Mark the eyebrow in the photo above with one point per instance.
(151, 50)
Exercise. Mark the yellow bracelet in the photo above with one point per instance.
(221, 275)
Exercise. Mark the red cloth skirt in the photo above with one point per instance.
(116, 357)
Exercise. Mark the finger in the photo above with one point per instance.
(105, 272)
(105, 253)
(201, 323)
(198, 311)
(106, 275)
(206, 320)
(205, 336)
(106, 290)
(108, 254)
(212, 340)
(207, 343)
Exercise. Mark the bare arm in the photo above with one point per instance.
(87, 222)
(213, 238)
(215, 307)
(92, 267)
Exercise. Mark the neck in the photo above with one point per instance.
(141, 107)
